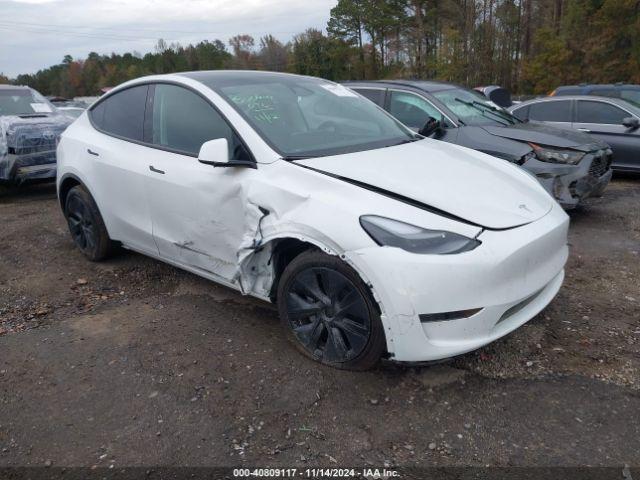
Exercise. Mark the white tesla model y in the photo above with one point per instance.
(373, 241)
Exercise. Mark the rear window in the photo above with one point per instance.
(375, 95)
(555, 111)
(122, 114)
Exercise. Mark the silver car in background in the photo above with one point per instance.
(611, 120)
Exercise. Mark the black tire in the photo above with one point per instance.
(86, 225)
(328, 312)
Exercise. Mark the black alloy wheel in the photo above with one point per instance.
(86, 225)
(329, 312)
(81, 224)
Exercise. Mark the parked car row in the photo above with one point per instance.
(570, 165)
(373, 240)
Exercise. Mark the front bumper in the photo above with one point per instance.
(571, 184)
(32, 167)
(512, 276)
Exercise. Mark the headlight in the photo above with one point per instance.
(552, 155)
(392, 233)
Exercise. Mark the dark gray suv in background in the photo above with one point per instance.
(611, 120)
(570, 165)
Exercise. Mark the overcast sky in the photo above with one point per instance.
(35, 34)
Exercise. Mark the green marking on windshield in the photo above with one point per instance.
(261, 107)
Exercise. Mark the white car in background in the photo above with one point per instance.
(373, 241)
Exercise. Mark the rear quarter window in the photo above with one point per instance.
(521, 113)
(122, 114)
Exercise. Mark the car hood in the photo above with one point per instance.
(445, 178)
(548, 135)
(32, 132)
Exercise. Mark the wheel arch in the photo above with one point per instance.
(284, 249)
(69, 181)
(66, 183)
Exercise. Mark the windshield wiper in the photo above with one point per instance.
(290, 158)
(406, 140)
(484, 109)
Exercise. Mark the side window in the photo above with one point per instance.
(554, 111)
(521, 113)
(373, 94)
(632, 96)
(599, 112)
(412, 110)
(183, 121)
(122, 114)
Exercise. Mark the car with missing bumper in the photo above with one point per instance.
(570, 165)
(30, 128)
(372, 241)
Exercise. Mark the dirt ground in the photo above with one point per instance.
(133, 362)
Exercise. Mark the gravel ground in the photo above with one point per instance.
(133, 362)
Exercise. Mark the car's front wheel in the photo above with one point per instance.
(86, 225)
(328, 312)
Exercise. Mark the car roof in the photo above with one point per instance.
(572, 97)
(214, 77)
(600, 85)
(13, 87)
(425, 85)
(617, 101)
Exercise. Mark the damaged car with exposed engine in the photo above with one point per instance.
(373, 242)
(570, 165)
(30, 128)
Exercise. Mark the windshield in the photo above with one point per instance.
(305, 117)
(23, 101)
(474, 108)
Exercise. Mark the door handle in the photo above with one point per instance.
(586, 130)
(155, 170)
(91, 152)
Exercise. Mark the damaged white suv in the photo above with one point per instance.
(373, 241)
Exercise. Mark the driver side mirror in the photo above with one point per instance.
(632, 123)
(432, 126)
(216, 153)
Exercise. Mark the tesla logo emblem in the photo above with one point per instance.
(522, 206)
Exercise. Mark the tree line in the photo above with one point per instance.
(528, 46)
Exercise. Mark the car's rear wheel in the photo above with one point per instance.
(86, 225)
(328, 312)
